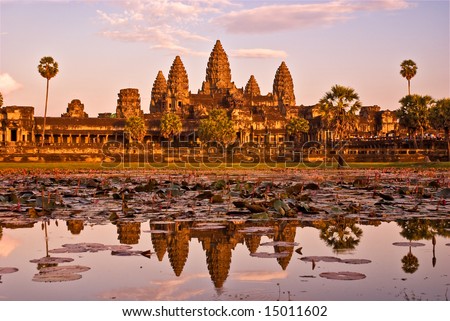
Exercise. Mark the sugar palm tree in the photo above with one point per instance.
(171, 125)
(408, 70)
(338, 108)
(48, 68)
(135, 127)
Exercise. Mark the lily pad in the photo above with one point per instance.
(7, 270)
(52, 277)
(344, 276)
(119, 247)
(281, 207)
(60, 273)
(126, 253)
(156, 231)
(444, 193)
(81, 248)
(52, 260)
(356, 261)
(266, 255)
(320, 258)
(412, 244)
(255, 208)
(257, 229)
(68, 250)
(64, 269)
(280, 243)
(260, 216)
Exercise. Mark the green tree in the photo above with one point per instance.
(339, 107)
(413, 114)
(171, 125)
(297, 126)
(1, 100)
(217, 127)
(440, 119)
(48, 68)
(135, 128)
(408, 70)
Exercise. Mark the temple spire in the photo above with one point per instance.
(178, 86)
(283, 87)
(252, 87)
(159, 93)
(218, 72)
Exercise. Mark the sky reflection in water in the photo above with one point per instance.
(229, 260)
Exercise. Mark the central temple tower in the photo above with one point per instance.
(283, 87)
(218, 73)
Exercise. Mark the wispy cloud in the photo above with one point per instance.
(8, 84)
(182, 288)
(260, 276)
(258, 53)
(163, 24)
(178, 26)
(299, 15)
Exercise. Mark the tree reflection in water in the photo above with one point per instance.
(410, 262)
(416, 229)
(341, 233)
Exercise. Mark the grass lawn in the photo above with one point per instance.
(216, 166)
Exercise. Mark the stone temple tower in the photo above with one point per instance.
(218, 73)
(252, 87)
(178, 87)
(159, 94)
(129, 103)
(283, 87)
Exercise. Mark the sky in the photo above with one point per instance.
(104, 46)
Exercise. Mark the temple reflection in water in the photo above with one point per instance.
(219, 240)
(222, 246)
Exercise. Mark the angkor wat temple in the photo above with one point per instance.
(257, 118)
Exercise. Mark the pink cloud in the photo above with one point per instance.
(298, 15)
(8, 84)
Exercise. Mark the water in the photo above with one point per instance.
(221, 259)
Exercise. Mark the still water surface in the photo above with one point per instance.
(231, 260)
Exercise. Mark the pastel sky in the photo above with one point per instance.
(104, 46)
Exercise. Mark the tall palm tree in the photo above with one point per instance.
(171, 125)
(48, 68)
(135, 127)
(338, 108)
(408, 70)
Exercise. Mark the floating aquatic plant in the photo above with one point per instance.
(345, 276)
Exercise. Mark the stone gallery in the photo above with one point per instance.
(258, 119)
